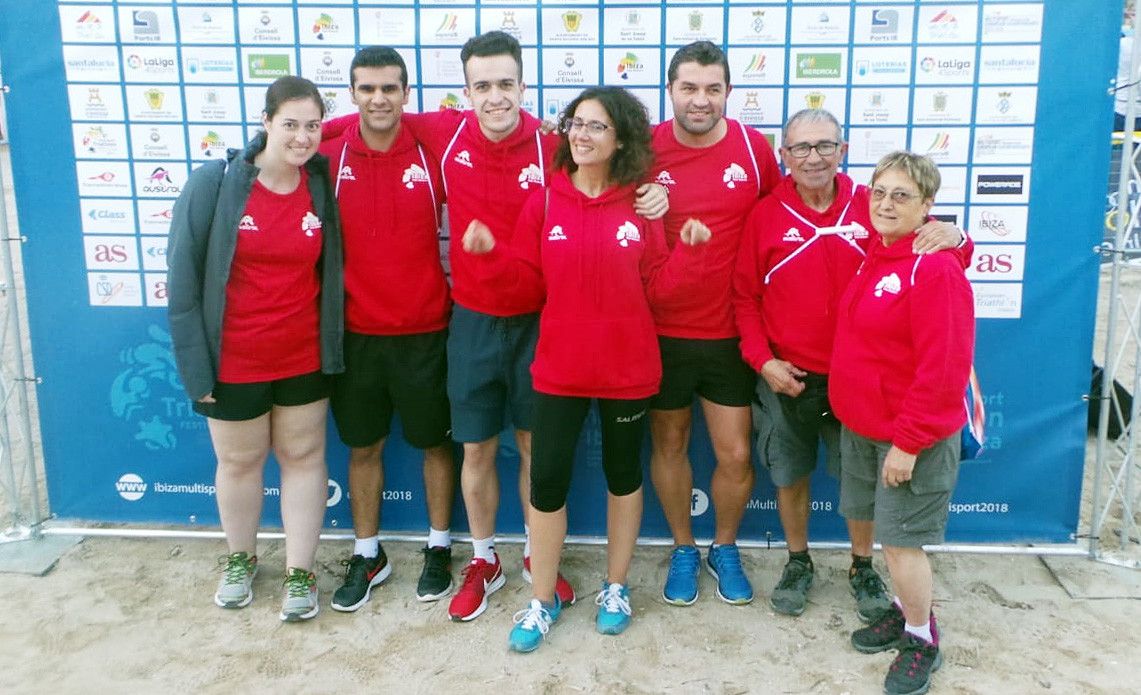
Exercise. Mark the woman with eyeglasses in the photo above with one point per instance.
(900, 365)
(256, 318)
(600, 266)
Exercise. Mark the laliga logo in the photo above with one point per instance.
(698, 502)
(130, 487)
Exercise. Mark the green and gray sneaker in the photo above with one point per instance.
(870, 593)
(236, 588)
(300, 602)
(791, 593)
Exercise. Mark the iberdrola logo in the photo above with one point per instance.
(628, 63)
(450, 101)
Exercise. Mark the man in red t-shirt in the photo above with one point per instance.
(715, 169)
(396, 316)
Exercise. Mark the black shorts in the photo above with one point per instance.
(405, 374)
(713, 369)
(236, 402)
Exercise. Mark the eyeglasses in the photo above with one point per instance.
(801, 149)
(592, 127)
(898, 196)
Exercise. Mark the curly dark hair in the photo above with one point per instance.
(632, 159)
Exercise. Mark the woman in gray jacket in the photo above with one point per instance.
(256, 315)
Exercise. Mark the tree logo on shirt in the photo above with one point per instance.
(310, 224)
(556, 234)
(530, 174)
(889, 284)
(247, 224)
(733, 174)
(464, 158)
(664, 179)
(347, 173)
(628, 232)
(413, 175)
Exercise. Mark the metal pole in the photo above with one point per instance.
(1109, 373)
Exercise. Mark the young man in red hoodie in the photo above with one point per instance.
(715, 170)
(493, 157)
(396, 314)
(786, 286)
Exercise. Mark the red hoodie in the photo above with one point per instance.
(390, 209)
(488, 181)
(601, 267)
(904, 345)
(717, 185)
(788, 281)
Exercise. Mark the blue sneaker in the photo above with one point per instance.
(613, 608)
(724, 563)
(681, 582)
(531, 624)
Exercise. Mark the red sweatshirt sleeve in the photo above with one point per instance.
(515, 269)
(748, 294)
(332, 129)
(433, 129)
(943, 333)
(669, 275)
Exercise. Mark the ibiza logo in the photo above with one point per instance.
(346, 174)
(556, 234)
(464, 158)
(450, 101)
(628, 233)
(413, 175)
(888, 283)
(247, 224)
(310, 224)
(993, 223)
(147, 393)
(629, 64)
(324, 25)
(733, 175)
(211, 143)
(663, 178)
(530, 174)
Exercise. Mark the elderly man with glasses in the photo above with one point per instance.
(792, 267)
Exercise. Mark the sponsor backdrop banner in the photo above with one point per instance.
(112, 104)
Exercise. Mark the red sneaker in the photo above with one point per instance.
(563, 589)
(481, 578)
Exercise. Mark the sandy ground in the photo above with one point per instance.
(136, 616)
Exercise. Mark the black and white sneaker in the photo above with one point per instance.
(436, 577)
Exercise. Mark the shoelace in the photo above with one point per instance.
(236, 568)
(534, 617)
(869, 582)
(356, 564)
(792, 572)
(297, 585)
(728, 558)
(471, 575)
(612, 601)
(684, 563)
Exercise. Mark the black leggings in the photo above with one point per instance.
(558, 423)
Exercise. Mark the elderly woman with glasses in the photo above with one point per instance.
(900, 364)
(600, 267)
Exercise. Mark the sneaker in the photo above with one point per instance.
(881, 635)
(531, 624)
(436, 577)
(791, 593)
(871, 594)
(724, 563)
(236, 588)
(481, 579)
(613, 609)
(681, 582)
(910, 673)
(361, 575)
(300, 601)
(563, 588)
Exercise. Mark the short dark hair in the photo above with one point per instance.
(632, 160)
(493, 43)
(700, 52)
(378, 57)
(289, 88)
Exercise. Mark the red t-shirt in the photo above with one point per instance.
(270, 325)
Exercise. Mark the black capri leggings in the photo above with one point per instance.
(557, 425)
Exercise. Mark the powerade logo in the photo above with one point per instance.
(148, 396)
(818, 66)
(999, 184)
(266, 66)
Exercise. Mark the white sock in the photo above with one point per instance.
(367, 547)
(923, 632)
(526, 540)
(484, 548)
(898, 604)
(439, 539)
